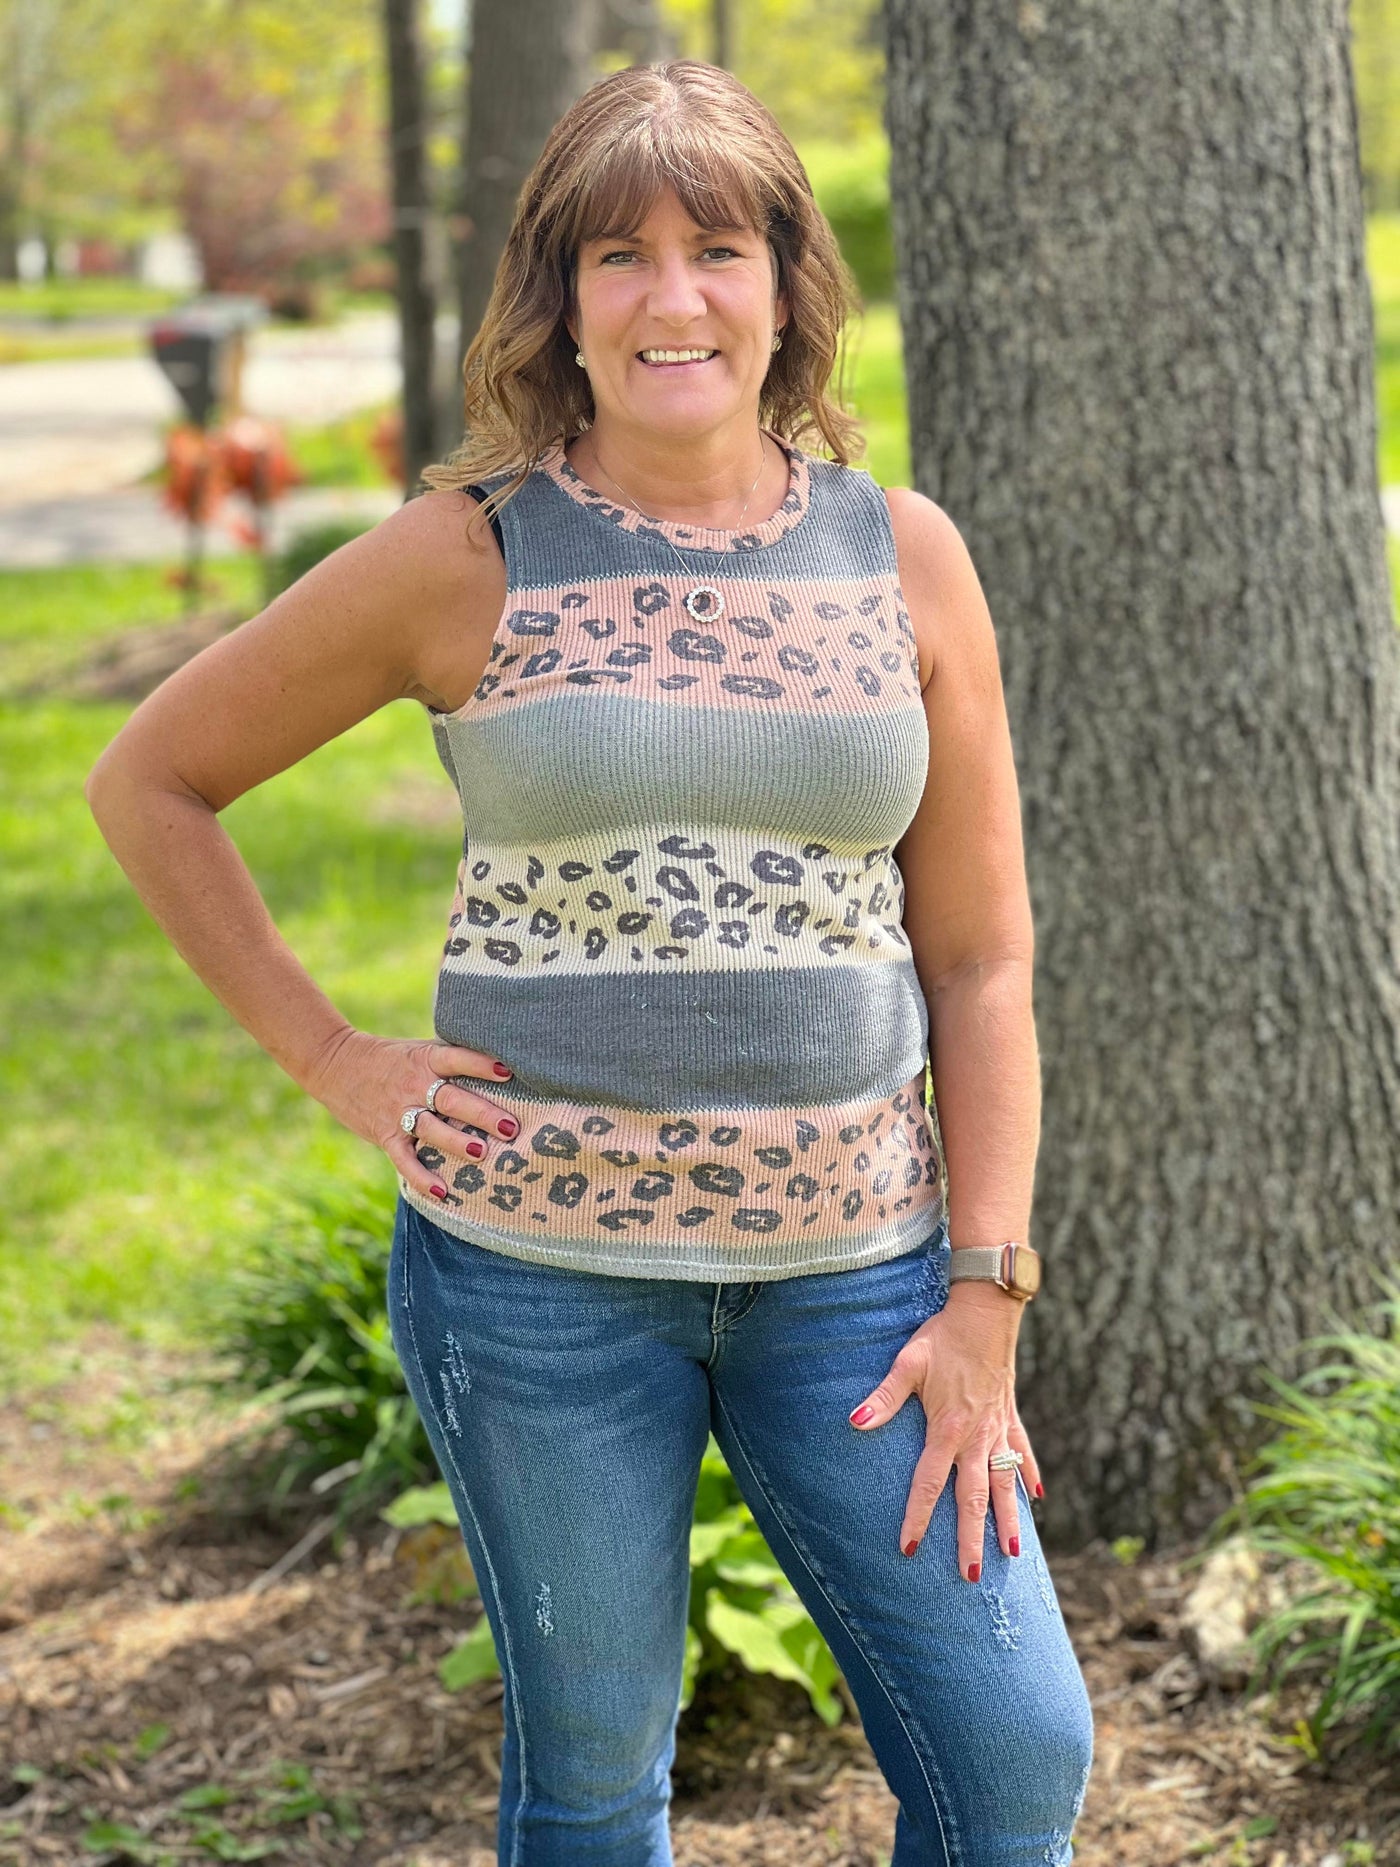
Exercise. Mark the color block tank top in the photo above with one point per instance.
(677, 914)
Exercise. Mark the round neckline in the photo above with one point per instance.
(790, 513)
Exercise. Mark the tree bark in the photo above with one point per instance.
(528, 61)
(1138, 341)
(417, 299)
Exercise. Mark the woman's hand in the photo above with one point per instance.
(962, 1365)
(367, 1082)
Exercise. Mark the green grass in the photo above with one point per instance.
(875, 377)
(1383, 265)
(61, 299)
(137, 1111)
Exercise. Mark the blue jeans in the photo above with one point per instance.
(569, 1411)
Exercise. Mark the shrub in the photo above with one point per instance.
(303, 1324)
(852, 187)
(740, 1601)
(1327, 1496)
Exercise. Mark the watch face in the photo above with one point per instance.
(1025, 1272)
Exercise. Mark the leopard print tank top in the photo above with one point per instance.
(677, 913)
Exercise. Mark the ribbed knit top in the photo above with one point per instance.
(677, 914)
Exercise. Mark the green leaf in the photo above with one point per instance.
(419, 1505)
(206, 1796)
(471, 1659)
(753, 1638)
(103, 1837)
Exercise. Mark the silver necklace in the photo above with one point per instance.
(705, 602)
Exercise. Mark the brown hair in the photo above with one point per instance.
(685, 125)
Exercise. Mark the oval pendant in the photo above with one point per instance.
(705, 603)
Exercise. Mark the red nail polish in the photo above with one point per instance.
(974, 1570)
(476, 1149)
(1015, 1546)
(861, 1415)
(501, 1069)
(508, 1125)
(438, 1192)
(1039, 1488)
(911, 1546)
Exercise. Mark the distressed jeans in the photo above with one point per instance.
(569, 1411)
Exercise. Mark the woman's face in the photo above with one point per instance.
(676, 287)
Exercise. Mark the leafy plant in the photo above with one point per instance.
(740, 1599)
(1327, 1496)
(303, 1324)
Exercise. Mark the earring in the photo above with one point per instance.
(578, 358)
(778, 340)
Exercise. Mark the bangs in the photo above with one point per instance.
(719, 193)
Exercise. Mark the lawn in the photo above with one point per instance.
(138, 1113)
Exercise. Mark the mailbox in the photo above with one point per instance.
(201, 349)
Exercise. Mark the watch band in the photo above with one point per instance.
(1013, 1267)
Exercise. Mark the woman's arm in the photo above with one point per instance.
(967, 917)
(356, 632)
(967, 905)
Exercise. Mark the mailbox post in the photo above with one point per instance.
(201, 347)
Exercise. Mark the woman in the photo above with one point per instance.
(741, 832)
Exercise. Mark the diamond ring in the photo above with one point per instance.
(1007, 1461)
(409, 1118)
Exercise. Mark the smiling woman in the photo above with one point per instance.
(667, 1166)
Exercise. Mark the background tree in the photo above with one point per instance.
(528, 61)
(1138, 347)
(415, 288)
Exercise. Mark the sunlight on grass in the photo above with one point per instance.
(138, 1111)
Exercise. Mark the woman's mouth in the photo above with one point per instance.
(686, 359)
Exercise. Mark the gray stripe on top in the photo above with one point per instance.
(523, 773)
(845, 533)
(679, 1041)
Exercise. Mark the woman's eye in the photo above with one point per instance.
(625, 253)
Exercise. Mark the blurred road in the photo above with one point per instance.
(75, 437)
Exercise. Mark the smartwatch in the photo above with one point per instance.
(1012, 1267)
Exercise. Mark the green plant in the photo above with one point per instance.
(302, 1323)
(740, 1600)
(852, 185)
(1326, 1494)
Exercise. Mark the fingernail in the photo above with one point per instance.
(438, 1192)
(1015, 1546)
(861, 1415)
(501, 1069)
(974, 1570)
(911, 1546)
(476, 1149)
(508, 1125)
(1039, 1488)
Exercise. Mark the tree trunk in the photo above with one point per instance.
(1138, 340)
(409, 172)
(528, 61)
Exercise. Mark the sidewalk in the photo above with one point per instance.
(133, 527)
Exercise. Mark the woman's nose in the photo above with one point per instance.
(675, 288)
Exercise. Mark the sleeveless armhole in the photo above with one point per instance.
(478, 493)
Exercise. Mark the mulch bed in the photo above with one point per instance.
(144, 1591)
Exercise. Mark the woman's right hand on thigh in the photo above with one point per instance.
(367, 1082)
